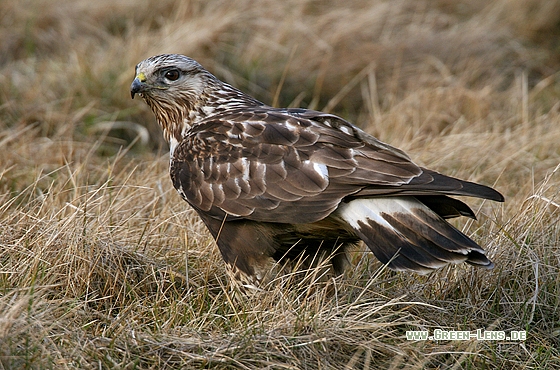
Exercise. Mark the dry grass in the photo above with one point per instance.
(103, 266)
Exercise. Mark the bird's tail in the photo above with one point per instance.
(407, 235)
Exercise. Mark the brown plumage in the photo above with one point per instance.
(273, 182)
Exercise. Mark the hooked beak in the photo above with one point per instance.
(138, 85)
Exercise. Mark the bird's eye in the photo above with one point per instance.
(172, 75)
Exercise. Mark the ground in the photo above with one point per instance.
(102, 265)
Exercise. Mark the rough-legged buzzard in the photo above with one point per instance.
(279, 182)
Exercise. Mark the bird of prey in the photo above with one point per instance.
(283, 183)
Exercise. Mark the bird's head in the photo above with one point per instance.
(174, 87)
(169, 76)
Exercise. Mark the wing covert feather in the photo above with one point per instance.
(299, 164)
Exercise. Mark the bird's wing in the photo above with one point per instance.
(289, 166)
(425, 183)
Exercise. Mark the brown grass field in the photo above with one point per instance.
(103, 266)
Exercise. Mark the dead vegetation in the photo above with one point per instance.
(102, 265)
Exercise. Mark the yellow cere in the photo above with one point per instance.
(141, 76)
